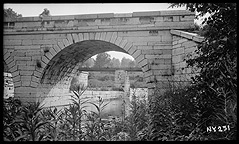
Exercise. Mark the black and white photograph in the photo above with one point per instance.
(120, 72)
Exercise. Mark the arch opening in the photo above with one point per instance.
(60, 70)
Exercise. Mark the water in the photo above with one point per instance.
(115, 107)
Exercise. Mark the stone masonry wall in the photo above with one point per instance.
(61, 100)
(184, 45)
(43, 54)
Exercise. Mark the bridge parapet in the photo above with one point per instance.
(179, 19)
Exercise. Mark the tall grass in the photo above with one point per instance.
(176, 115)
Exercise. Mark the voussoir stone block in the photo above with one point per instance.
(70, 40)
(128, 46)
(86, 36)
(61, 45)
(113, 38)
(80, 35)
(108, 36)
(118, 41)
(123, 43)
(66, 42)
(75, 37)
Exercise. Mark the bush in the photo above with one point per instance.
(11, 108)
(177, 115)
(93, 83)
(180, 114)
(31, 122)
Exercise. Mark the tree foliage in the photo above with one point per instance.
(115, 63)
(125, 62)
(217, 62)
(102, 60)
(9, 13)
(88, 63)
(132, 63)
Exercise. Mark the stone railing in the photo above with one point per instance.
(131, 21)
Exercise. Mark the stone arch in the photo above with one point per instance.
(5, 67)
(63, 59)
(110, 37)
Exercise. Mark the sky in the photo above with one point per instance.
(31, 10)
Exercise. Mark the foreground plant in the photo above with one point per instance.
(75, 113)
(54, 119)
(137, 119)
(30, 123)
(95, 126)
(11, 108)
(217, 62)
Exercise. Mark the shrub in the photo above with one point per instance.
(217, 60)
(105, 78)
(95, 126)
(11, 108)
(173, 114)
(137, 119)
(96, 83)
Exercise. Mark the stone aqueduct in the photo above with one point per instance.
(43, 54)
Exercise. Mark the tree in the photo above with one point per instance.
(115, 63)
(125, 62)
(132, 63)
(89, 63)
(102, 60)
(217, 61)
(9, 13)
